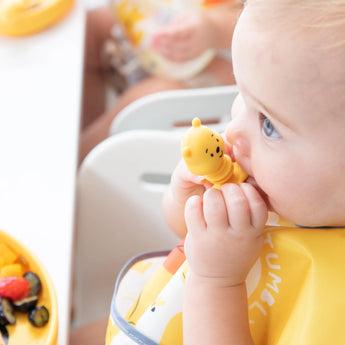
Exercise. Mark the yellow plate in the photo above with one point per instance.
(23, 332)
(25, 17)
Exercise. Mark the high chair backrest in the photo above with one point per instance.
(121, 183)
(171, 110)
(119, 212)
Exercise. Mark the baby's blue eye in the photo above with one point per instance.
(268, 128)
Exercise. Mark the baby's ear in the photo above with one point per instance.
(186, 152)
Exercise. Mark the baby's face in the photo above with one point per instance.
(288, 127)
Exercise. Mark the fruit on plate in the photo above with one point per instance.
(3, 335)
(20, 291)
(39, 316)
(26, 304)
(6, 312)
(35, 283)
(16, 260)
(14, 288)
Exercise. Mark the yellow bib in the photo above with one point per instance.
(296, 293)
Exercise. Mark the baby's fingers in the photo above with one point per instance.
(216, 217)
(245, 206)
(257, 206)
(194, 215)
(237, 206)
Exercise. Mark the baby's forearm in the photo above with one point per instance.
(221, 20)
(215, 314)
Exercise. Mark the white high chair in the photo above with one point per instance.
(174, 109)
(120, 188)
(119, 212)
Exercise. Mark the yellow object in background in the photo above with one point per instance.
(25, 17)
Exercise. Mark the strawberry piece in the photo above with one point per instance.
(14, 288)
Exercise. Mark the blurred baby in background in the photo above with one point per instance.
(142, 47)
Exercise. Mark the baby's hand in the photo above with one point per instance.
(225, 233)
(184, 184)
(185, 38)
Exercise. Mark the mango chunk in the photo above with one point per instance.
(11, 271)
(2, 263)
(7, 254)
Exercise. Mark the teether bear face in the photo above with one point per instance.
(202, 149)
(215, 146)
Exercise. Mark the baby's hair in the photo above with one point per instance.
(325, 15)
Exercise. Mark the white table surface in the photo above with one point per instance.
(40, 103)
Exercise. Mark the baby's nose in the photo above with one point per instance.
(237, 132)
(236, 135)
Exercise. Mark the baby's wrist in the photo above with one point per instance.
(214, 282)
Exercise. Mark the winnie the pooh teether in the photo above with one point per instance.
(203, 152)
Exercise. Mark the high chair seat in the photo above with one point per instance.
(119, 212)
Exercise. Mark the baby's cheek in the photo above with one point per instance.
(279, 194)
(269, 183)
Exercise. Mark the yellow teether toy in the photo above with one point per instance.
(24, 17)
(203, 152)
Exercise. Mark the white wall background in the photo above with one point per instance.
(95, 3)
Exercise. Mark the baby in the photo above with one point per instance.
(287, 133)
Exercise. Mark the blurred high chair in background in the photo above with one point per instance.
(120, 188)
(174, 109)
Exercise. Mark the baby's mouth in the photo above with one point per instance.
(251, 180)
